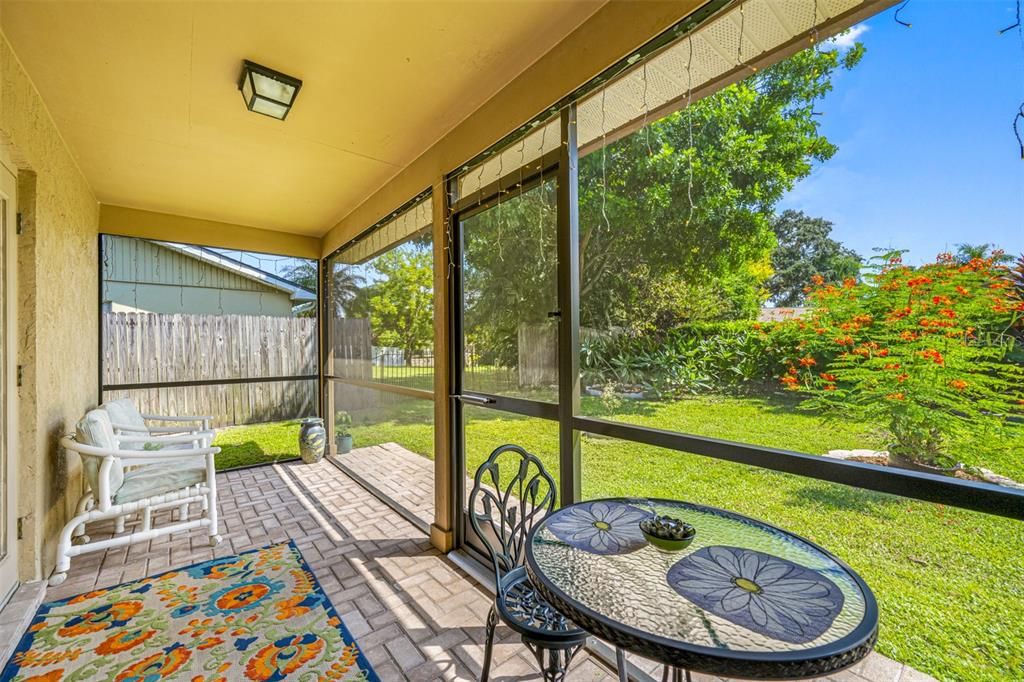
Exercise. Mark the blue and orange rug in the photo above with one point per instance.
(260, 615)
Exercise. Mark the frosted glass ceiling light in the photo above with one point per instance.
(266, 91)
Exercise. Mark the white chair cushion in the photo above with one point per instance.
(95, 429)
(124, 413)
(157, 479)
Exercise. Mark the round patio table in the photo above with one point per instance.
(745, 599)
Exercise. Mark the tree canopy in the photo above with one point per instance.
(805, 249)
(691, 197)
(402, 302)
(676, 219)
(965, 253)
(344, 285)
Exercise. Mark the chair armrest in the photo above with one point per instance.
(130, 427)
(176, 429)
(133, 457)
(173, 439)
(69, 443)
(168, 418)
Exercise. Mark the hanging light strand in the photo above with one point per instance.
(449, 239)
(540, 204)
(647, 108)
(689, 125)
(604, 165)
(1015, 25)
(105, 247)
(1018, 117)
(813, 35)
(739, 40)
(136, 244)
(181, 286)
(501, 227)
(1018, 125)
(896, 15)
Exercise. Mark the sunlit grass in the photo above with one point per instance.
(257, 444)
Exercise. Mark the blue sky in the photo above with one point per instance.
(927, 157)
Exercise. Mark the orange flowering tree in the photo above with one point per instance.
(923, 351)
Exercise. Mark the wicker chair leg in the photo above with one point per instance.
(492, 623)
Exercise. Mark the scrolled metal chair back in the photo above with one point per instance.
(509, 508)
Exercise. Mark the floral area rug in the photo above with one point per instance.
(259, 615)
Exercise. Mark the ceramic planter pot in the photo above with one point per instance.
(312, 440)
(344, 444)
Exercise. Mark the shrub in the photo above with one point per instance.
(924, 351)
(693, 358)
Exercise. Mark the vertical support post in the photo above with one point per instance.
(442, 531)
(569, 307)
(325, 358)
(99, 313)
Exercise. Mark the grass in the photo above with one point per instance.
(950, 583)
(256, 444)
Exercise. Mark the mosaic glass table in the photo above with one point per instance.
(745, 599)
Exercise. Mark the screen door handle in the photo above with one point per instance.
(476, 399)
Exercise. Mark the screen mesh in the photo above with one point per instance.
(411, 223)
(544, 138)
(667, 80)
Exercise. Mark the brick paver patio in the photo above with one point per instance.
(416, 614)
(403, 476)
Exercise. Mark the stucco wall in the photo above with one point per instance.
(57, 278)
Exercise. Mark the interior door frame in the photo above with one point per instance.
(562, 166)
(8, 377)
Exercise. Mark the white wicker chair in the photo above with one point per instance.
(126, 419)
(180, 472)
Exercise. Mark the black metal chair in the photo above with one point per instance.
(509, 509)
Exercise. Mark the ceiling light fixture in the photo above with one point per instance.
(266, 91)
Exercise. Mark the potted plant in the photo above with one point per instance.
(342, 434)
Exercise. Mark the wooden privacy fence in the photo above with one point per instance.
(538, 352)
(352, 352)
(144, 348)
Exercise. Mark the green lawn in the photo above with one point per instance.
(950, 583)
(257, 444)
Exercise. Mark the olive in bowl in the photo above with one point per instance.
(666, 533)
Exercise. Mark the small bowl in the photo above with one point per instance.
(667, 534)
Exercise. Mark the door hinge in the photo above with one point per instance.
(21, 374)
(17, 224)
(21, 527)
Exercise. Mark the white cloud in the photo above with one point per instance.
(844, 41)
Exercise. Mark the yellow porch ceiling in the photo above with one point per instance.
(145, 94)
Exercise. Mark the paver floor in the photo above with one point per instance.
(403, 476)
(415, 613)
